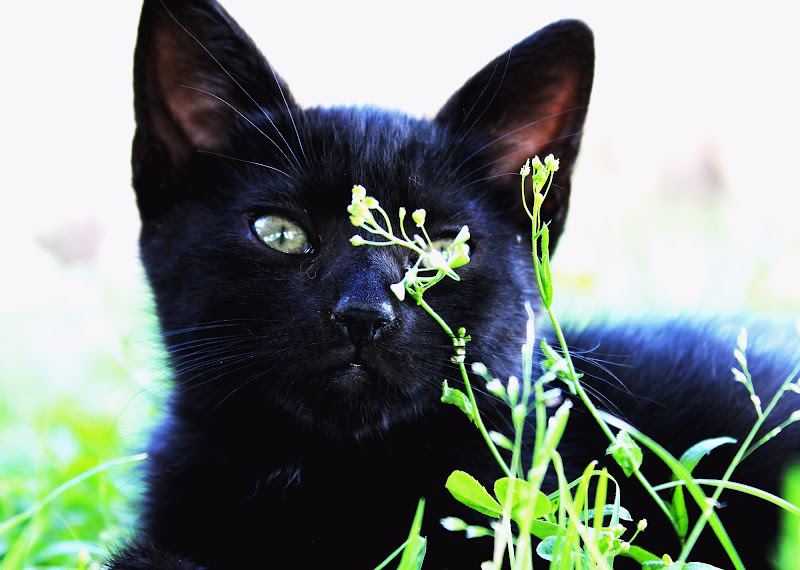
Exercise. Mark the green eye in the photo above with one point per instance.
(282, 234)
(442, 244)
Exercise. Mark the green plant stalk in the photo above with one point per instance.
(568, 506)
(770, 407)
(524, 552)
(742, 488)
(706, 505)
(581, 393)
(679, 470)
(547, 304)
(392, 556)
(8, 524)
(465, 378)
(743, 451)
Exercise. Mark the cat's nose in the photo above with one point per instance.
(363, 321)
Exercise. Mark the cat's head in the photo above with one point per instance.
(263, 301)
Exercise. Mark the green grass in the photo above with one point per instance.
(70, 402)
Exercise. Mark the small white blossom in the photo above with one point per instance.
(453, 524)
(551, 163)
(359, 192)
(399, 290)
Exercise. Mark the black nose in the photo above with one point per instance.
(363, 321)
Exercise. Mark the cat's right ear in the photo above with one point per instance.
(530, 101)
(197, 78)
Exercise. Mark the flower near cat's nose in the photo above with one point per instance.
(363, 321)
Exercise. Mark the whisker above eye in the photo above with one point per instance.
(252, 124)
(247, 162)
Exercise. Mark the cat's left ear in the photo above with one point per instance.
(198, 79)
(530, 101)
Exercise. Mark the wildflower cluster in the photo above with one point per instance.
(435, 258)
(579, 525)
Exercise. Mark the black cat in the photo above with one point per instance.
(305, 421)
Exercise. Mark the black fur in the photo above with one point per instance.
(305, 421)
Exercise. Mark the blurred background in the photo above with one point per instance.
(685, 199)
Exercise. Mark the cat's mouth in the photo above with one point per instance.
(351, 377)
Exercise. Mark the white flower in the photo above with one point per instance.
(359, 192)
(399, 290)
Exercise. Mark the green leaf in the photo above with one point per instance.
(692, 456)
(468, 491)
(626, 452)
(527, 503)
(680, 516)
(458, 398)
(643, 556)
(543, 529)
(546, 548)
(547, 281)
(545, 242)
(414, 552)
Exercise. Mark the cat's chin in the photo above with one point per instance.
(351, 379)
(355, 402)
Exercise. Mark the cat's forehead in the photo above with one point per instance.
(373, 144)
(401, 160)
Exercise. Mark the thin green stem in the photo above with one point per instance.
(42, 503)
(587, 402)
(467, 385)
(743, 451)
(681, 472)
(571, 372)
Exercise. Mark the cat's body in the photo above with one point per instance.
(305, 421)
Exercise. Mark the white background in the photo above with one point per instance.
(693, 101)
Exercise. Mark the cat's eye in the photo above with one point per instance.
(282, 234)
(441, 245)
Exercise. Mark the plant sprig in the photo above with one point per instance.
(571, 527)
(432, 264)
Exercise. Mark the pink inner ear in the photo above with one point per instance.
(520, 141)
(193, 101)
(199, 116)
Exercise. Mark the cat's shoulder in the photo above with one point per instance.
(683, 365)
(771, 343)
